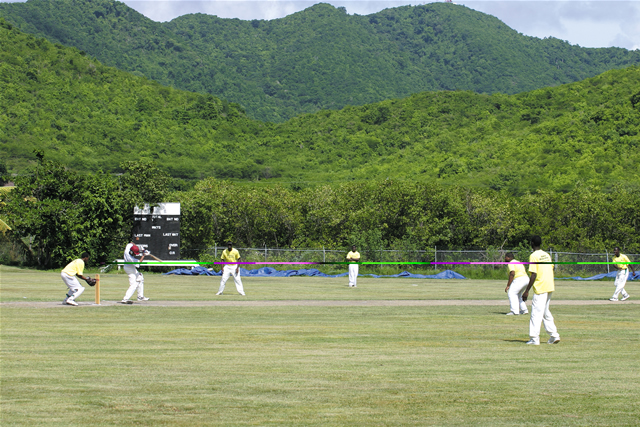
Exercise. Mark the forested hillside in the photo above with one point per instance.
(90, 117)
(320, 58)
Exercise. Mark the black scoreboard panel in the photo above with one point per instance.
(158, 230)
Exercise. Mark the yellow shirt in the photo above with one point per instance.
(518, 269)
(353, 255)
(544, 272)
(230, 255)
(74, 267)
(621, 258)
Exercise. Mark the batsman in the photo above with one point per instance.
(136, 279)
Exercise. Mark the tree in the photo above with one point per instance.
(3, 173)
(58, 214)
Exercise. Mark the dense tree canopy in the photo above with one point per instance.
(320, 58)
(463, 169)
(406, 215)
(56, 213)
(59, 213)
(93, 117)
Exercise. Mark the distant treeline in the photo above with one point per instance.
(55, 214)
(389, 214)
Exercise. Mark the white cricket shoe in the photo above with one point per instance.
(553, 340)
(613, 299)
(126, 301)
(511, 313)
(143, 299)
(624, 298)
(72, 302)
(533, 342)
(524, 312)
(219, 293)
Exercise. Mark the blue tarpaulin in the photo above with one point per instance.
(272, 272)
(611, 274)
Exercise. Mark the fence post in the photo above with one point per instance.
(435, 257)
(215, 252)
(265, 252)
(607, 250)
(324, 255)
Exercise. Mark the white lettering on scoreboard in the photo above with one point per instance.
(158, 229)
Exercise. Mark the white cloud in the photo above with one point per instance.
(586, 23)
(601, 23)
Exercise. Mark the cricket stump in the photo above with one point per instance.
(97, 289)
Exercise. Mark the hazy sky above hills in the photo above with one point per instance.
(600, 23)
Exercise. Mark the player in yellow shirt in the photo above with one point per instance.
(517, 282)
(622, 275)
(70, 275)
(543, 286)
(353, 257)
(231, 255)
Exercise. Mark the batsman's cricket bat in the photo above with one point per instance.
(155, 257)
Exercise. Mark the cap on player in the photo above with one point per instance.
(135, 249)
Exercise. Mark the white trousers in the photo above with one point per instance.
(540, 314)
(75, 288)
(136, 281)
(621, 281)
(515, 294)
(353, 274)
(230, 270)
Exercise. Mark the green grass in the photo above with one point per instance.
(33, 285)
(300, 365)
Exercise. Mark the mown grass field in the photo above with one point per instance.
(301, 365)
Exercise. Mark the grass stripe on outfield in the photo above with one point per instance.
(316, 366)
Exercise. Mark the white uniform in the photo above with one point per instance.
(518, 285)
(69, 277)
(136, 279)
(621, 277)
(515, 295)
(231, 270)
(543, 288)
(353, 268)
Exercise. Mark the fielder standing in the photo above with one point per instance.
(353, 256)
(543, 286)
(136, 279)
(622, 275)
(231, 255)
(518, 281)
(70, 275)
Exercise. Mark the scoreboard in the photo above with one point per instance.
(157, 230)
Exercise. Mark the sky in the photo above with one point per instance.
(600, 23)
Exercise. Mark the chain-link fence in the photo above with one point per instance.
(431, 255)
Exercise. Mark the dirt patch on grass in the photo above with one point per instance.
(308, 303)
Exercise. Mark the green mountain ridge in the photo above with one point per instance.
(320, 58)
(89, 117)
